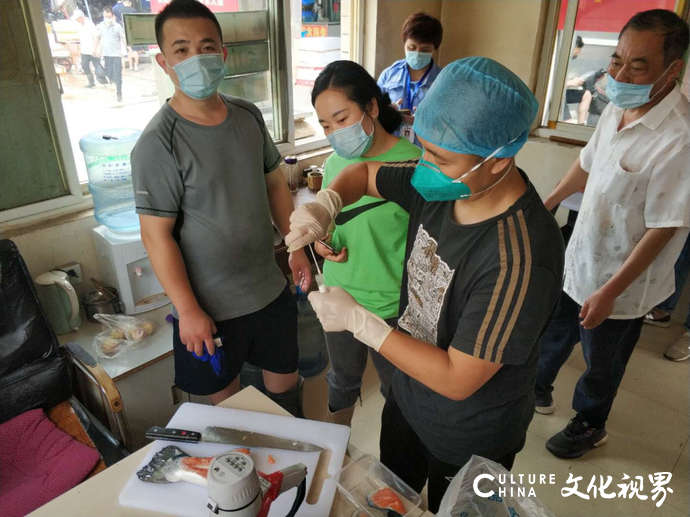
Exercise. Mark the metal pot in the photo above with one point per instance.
(100, 301)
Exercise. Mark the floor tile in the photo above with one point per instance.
(667, 510)
(366, 425)
(654, 377)
(680, 482)
(656, 339)
(637, 444)
(535, 459)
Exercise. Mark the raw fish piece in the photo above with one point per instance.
(172, 464)
(386, 499)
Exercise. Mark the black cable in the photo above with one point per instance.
(301, 494)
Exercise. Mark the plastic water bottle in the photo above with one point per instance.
(291, 169)
(107, 157)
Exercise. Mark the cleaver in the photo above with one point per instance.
(230, 436)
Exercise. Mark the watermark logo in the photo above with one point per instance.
(522, 485)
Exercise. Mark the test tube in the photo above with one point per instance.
(319, 277)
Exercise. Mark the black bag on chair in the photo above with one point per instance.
(100, 73)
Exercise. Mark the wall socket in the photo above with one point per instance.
(73, 271)
(176, 394)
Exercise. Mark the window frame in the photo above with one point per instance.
(282, 91)
(46, 73)
(356, 30)
(555, 65)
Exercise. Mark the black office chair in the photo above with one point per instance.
(36, 372)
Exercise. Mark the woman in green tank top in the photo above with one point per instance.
(369, 237)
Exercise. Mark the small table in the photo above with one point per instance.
(99, 495)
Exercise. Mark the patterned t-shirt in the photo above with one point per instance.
(487, 290)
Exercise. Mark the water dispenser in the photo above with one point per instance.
(107, 157)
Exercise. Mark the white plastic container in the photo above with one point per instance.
(362, 477)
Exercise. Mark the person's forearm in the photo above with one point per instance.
(574, 181)
(356, 181)
(170, 270)
(642, 256)
(583, 108)
(281, 206)
(425, 363)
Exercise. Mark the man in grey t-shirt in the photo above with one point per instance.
(208, 186)
(111, 42)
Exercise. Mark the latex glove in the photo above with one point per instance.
(217, 360)
(338, 311)
(310, 221)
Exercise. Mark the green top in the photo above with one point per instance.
(375, 237)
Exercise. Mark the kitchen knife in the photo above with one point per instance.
(230, 436)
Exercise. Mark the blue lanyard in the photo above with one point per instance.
(409, 96)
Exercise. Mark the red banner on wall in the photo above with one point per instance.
(609, 15)
(216, 6)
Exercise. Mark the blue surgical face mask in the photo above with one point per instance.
(417, 60)
(629, 96)
(351, 142)
(200, 75)
(433, 185)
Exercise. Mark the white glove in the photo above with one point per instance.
(310, 221)
(338, 311)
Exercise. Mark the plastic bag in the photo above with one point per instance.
(125, 333)
(461, 500)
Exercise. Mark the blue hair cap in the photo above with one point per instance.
(475, 106)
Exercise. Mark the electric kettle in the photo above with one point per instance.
(59, 301)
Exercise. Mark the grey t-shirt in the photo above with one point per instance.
(211, 179)
(112, 39)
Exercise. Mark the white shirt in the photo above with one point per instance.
(639, 178)
(87, 34)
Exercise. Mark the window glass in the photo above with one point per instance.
(320, 35)
(26, 177)
(92, 104)
(595, 37)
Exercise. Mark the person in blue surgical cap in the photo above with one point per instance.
(407, 81)
(483, 272)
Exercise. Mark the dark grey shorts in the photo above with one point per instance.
(266, 338)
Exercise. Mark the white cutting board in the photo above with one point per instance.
(189, 500)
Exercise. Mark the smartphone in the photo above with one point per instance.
(405, 112)
(327, 246)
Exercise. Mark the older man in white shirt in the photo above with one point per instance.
(88, 38)
(631, 227)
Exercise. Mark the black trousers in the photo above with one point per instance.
(113, 69)
(403, 452)
(606, 349)
(86, 61)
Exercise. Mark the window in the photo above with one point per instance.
(89, 105)
(276, 49)
(320, 35)
(31, 142)
(586, 34)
